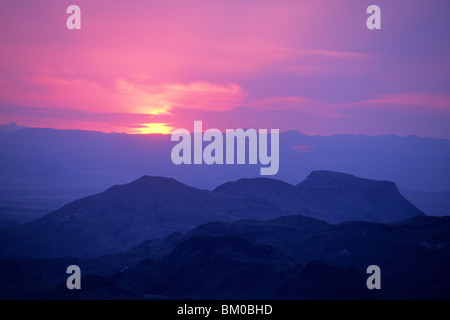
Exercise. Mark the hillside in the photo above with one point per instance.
(151, 207)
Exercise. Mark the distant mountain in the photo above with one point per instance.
(47, 168)
(247, 260)
(115, 220)
(282, 195)
(327, 195)
(10, 127)
(291, 257)
(338, 197)
(151, 207)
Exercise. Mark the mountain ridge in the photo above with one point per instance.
(291, 257)
(36, 163)
(152, 207)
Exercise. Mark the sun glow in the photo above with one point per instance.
(149, 128)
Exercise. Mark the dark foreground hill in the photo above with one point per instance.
(152, 207)
(291, 257)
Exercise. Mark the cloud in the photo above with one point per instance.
(436, 101)
(307, 65)
(121, 95)
(313, 62)
(76, 119)
(198, 95)
(343, 55)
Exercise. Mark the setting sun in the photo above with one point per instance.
(148, 128)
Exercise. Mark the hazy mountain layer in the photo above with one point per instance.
(43, 169)
(151, 207)
(291, 257)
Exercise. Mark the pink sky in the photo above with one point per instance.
(151, 66)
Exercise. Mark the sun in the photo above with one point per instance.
(152, 128)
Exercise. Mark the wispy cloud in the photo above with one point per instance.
(346, 55)
(123, 95)
(436, 101)
(306, 65)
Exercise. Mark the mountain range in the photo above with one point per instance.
(42, 169)
(293, 257)
(260, 238)
(152, 207)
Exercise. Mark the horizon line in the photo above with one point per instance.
(21, 127)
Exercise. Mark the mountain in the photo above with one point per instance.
(234, 268)
(11, 127)
(115, 220)
(151, 207)
(331, 196)
(338, 197)
(43, 169)
(280, 194)
(247, 260)
(210, 266)
(291, 257)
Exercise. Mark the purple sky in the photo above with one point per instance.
(151, 66)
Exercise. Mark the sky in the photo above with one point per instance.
(142, 66)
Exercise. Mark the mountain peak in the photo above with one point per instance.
(329, 173)
(156, 184)
(333, 175)
(333, 179)
(155, 179)
(370, 200)
(152, 207)
(241, 185)
(10, 127)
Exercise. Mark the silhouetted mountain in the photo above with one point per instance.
(36, 278)
(287, 234)
(152, 207)
(115, 220)
(11, 127)
(330, 196)
(46, 168)
(94, 287)
(338, 197)
(217, 268)
(412, 254)
(291, 257)
(233, 268)
(432, 231)
(320, 280)
(279, 194)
